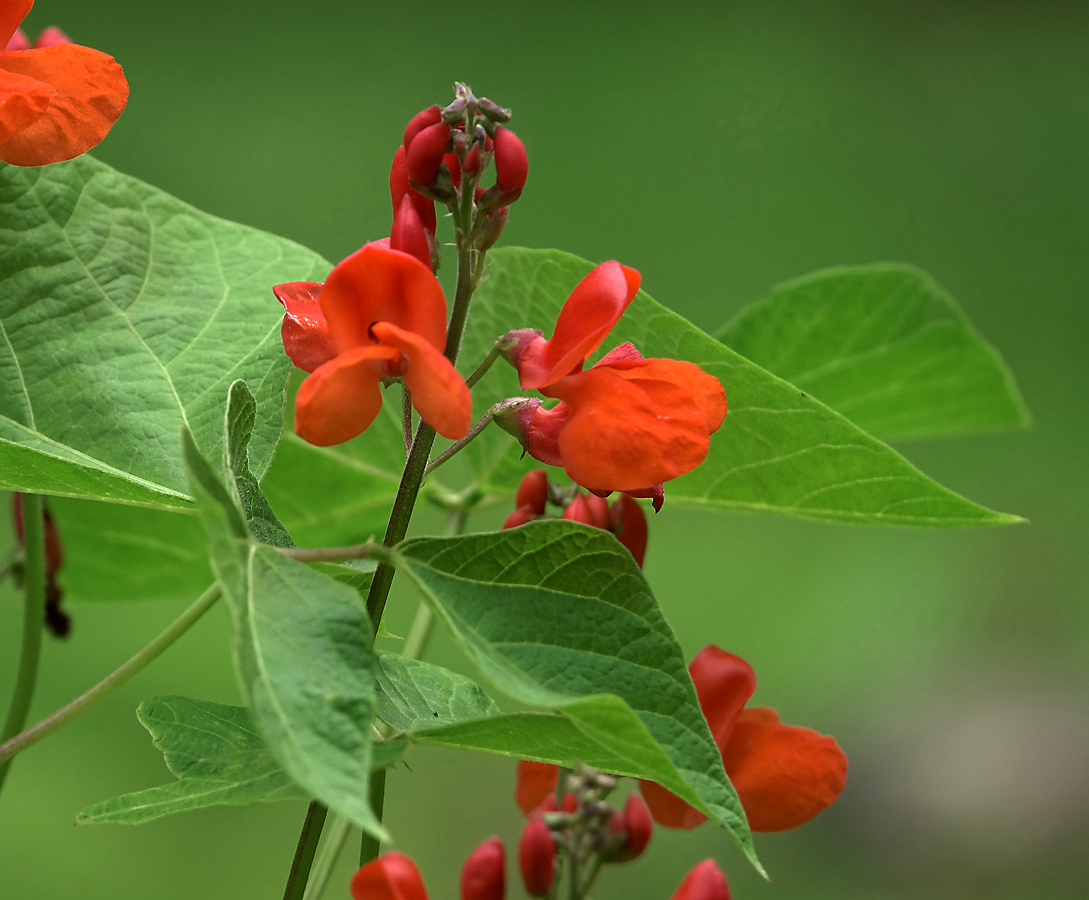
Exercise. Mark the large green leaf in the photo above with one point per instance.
(217, 756)
(558, 616)
(885, 346)
(124, 315)
(303, 651)
(780, 450)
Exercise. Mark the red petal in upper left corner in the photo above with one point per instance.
(23, 101)
(535, 781)
(91, 94)
(12, 13)
(305, 332)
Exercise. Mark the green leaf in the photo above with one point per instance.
(779, 450)
(414, 696)
(885, 346)
(125, 315)
(558, 616)
(217, 756)
(303, 651)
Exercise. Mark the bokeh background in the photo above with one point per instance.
(719, 148)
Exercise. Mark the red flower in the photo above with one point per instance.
(705, 881)
(57, 99)
(483, 876)
(627, 422)
(380, 314)
(784, 775)
(393, 876)
(635, 825)
(536, 857)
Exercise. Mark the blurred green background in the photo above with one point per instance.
(719, 148)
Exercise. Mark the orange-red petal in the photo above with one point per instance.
(623, 434)
(724, 683)
(393, 876)
(23, 100)
(439, 393)
(91, 94)
(341, 398)
(534, 782)
(784, 775)
(376, 284)
(12, 13)
(668, 809)
(706, 390)
(304, 331)
(589, 314)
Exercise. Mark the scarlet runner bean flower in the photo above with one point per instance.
(381, 314)
(483, 876)
(625, 423)
(704, 881)
(537, 857)
(57, 99)
(784, 775)
(393, 876)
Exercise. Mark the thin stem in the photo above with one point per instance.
(591, 875)
(492, 356)
(418, 634)
(328, 854)
(406, 416)
(33, 612)
(369, 550)
(304, 852)
(449, 452)
(370, 845)
(114, 680)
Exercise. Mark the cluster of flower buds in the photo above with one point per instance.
(624, 517)
(56, 620)
(581, 829)
(394, 876)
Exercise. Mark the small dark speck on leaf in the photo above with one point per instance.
(436, 715)
(804, 394)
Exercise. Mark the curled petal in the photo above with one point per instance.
(534, 783)
(622, 435)
(305, 332)
(393, 876)
(439, 393)
(23, 101)
(12, 13)
(589, 314)
(724, 683)
(784, 775)
(375, 284)
(91, 94)
(342, 397)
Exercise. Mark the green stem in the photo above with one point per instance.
(370, 845)
(406, 416)
(328, 854)
(33, 612)
(418, 634)
(114, 680)
(369, 550)
(492, 356)
(304, 852)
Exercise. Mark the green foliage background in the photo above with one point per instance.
(719, 148)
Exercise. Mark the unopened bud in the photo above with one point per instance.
(493, 110)
(537, 429)
(570, 804)
(635, 824)
(480, 135)
(453, 167)
(629, 523)
(455, 112)
(520, 516)
(533, 489)
(511, 161)
(495, 197)
(483, 876)
(536, 853)
(705, 881)
(391, 875)
(494, 223)
(408, 235)
(578, 511)
(399, 188)
(423, 119)
(473, 160)
(426, 151)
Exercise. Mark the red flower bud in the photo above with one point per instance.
(533, 490)
(423, 119)
(520, 516)
(472, 161)
(704, 882)
(599, 511)
(51, 37)
(511, 162)
(494, 223)
(579, 511)
(536, 852)
(536, 429)
(425, 153)
(454, 166)
(483, 876)
(400, 188)
(393, 876)
(630, 523)
(637, 826)
(408, 235)
(570, 803)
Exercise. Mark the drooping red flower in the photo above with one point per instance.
(483, 877)
(784, 775)
(627, 422)
(57, 99)
(393, 876)
(380, 314)
(704, 881)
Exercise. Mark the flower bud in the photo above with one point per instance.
(537, 429)
(473, 161)
(533, 490)
(495, 198)
(493, 110)
(578, 511)
(599, 511)
(549, 805)
(51, 37)
(393, 875)
(400, 188)
(536, 852)
(520, 516)
(629, 522)
(423, 119)
(494, 223)
(705, 881)
(455, 111)
(408, 235)
(454, 167)
(511, 162)
(635, 824)
(483, 876)
(426, 151)
(18, 41)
